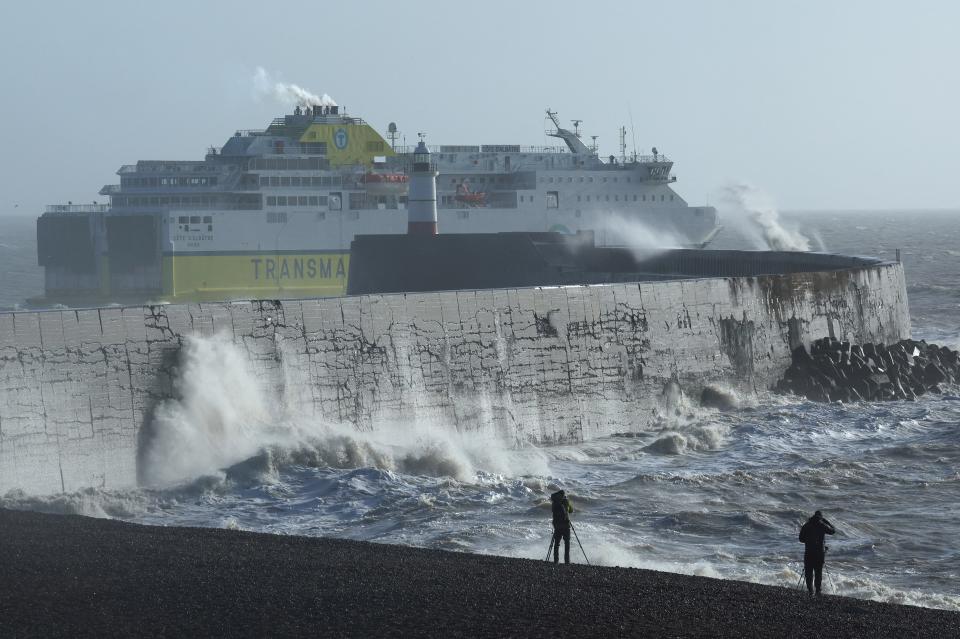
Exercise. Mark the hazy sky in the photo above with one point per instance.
(839, 104)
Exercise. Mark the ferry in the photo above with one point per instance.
(272, 213)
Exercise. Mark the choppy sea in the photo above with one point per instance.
(714, 494)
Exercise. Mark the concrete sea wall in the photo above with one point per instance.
(78, 387)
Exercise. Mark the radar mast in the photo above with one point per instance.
(569, 137)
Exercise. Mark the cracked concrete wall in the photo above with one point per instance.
(78, 387)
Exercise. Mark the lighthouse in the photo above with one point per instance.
(422, 198)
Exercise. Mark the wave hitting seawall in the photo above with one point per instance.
(80, 389)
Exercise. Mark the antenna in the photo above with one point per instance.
(553, 118)
(576, 127)
(421, 135)
(594, 147)
(633, 134)
(623, 144)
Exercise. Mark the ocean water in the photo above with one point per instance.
(720, 494)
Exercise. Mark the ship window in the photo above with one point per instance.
(604, 179)
(209, 227)
(194, 219)
(315, 181)
(661, 198)
(608, 198)
(183, 219)
(590, 180)
(644, 197)
(578, 198)
(314, 200)
(274, 181)
(634, 197)
(614, 179)
(588, 198)
(354, 215)
(671, 198)
(207, 219)
(285, 181)
(271, 200)
(550, 180)
(294, 181)
(577, 214)
(553, 199)
(281, 200)
(358, 201)
(323, 200)
(264, 181)
(302, 200)
(321, 215)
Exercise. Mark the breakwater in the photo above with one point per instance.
(78, 388)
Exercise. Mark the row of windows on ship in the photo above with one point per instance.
(334, 180)
(189, 223)
(606, 197)
(359, 200)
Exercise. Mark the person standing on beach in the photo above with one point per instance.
(815, 553)
(561, 525)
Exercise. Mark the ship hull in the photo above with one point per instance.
(311, 258)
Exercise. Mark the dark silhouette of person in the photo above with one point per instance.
(561, 525)
(815, 552)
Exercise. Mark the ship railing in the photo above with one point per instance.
(77, 208)
(488, 149)
(338, 118)
(649, 159)
(127, 168)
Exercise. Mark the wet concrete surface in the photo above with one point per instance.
(79, 576)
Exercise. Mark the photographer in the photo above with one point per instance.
(812, 534)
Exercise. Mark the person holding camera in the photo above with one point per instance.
(815, 552)
(561, 525)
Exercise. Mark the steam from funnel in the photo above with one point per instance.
(755, 213)
(287, 93)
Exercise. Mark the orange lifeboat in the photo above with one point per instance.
(470, 198)
(386, 183)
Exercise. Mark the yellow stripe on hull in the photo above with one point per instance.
(254, 276)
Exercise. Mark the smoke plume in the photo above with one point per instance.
(264, 85)
(756, 214)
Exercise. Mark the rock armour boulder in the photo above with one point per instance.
(833, 371)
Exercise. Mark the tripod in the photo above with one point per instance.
(553, 540)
